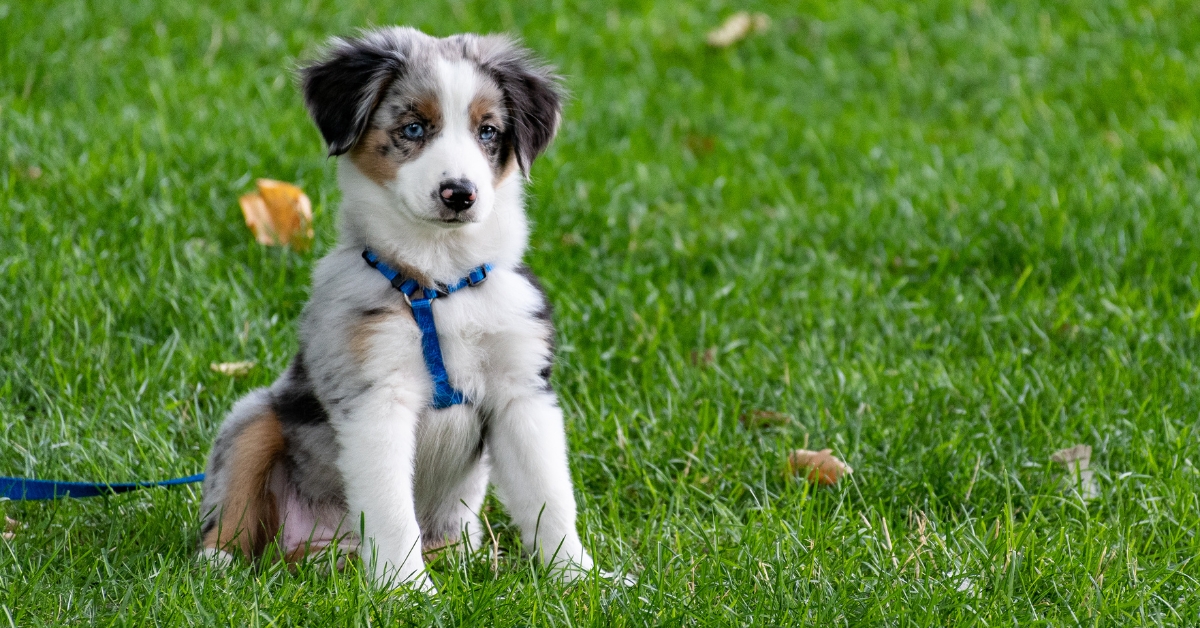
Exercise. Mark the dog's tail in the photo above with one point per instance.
(244, 514)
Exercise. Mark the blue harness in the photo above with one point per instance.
(444, 395)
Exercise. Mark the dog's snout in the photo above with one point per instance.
(457, 194)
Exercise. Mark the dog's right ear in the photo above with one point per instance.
(342, 89)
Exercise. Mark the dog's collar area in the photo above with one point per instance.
(408, 287)
(444, 395)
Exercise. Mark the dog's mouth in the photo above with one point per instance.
(455, 220)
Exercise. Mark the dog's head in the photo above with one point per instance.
(440, 124)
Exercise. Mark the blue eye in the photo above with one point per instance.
(487, 133)
(414, 131)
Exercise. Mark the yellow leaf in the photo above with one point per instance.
(818, 466)
(279, 214)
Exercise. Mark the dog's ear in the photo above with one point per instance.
(342, 89)
(533, 95)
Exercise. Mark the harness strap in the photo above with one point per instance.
(444, 395)
(25, 489)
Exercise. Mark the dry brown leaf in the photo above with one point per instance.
(765, 418)
(1079, 453)
(279, 214)
(232, 369)
(736, 27)
(10, 528)
(818, 466)
(700, 144)
(704, 358)
(1075, 461)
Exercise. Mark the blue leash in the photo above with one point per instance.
(444, 395)
(25, 489)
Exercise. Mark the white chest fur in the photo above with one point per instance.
(493, 343)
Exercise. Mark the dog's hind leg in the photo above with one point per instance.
(239, 510)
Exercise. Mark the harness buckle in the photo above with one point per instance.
(483, 275)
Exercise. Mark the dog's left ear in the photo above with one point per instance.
(533, 95)
(342, 89)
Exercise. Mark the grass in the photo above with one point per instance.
(945, 238)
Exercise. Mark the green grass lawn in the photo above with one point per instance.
(946, 238)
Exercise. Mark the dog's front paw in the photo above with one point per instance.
(389, 576)
(572, 572)
(419, 582)
(424, 584)
(623, 579)
(214, 558)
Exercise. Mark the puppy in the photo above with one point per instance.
(434, 140)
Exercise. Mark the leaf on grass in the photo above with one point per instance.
(10, 528)
(705, 358)
(1075, 462)
(764, 418)
(700, 144)
(232, 369)
(817, 466)
(736, 27)
(279, 214)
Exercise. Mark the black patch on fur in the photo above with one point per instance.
(546, 315)
(209, 524)
(294, 402)
(533, 95)
(485, 424)
(342, 90)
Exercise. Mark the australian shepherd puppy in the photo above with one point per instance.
(434, 139)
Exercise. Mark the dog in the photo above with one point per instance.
(354, 444)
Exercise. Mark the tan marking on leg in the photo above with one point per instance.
(248, 518)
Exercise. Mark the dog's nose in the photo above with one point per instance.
(457, 194)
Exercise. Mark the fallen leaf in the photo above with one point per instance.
(704, 359)
(232, 369)
(819, 466)
(1079, 453)
(700, 144)
(764, 418)
(1075, 462)
(278, 214)
(736, 27)
(10, 528)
